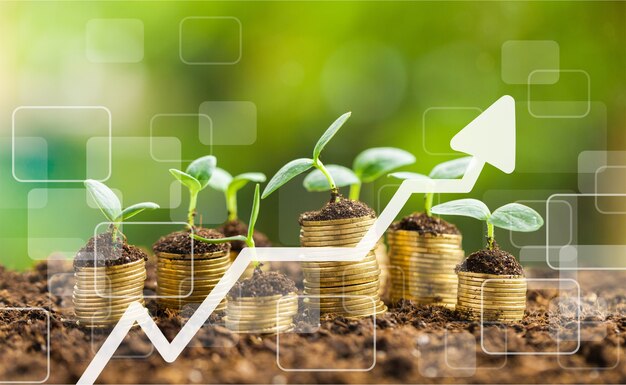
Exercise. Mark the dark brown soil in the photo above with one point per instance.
(237, 227)
(341, 209)
(179, 242)
(263, 284)
(494, 261)
(109, 253)
(424, 224)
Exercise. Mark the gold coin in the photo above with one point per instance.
(489, 276)
(110, 277)
(339, 284)
(196, 264)
(178, 275)
(342, 275)
(100, 293)
(341, 288)
(275, 330)
(175, 256)
(135, 264)
(353, 293)
(495, 297)
(341, 231)
(331, 238)
(369, 258)
(342, 221)
(339, 269)
(479, 281)
(488, 311)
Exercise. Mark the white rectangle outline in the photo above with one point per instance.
(571, 217)
(180, 39)
(480, 111)
(601, 368)
(530, 75)
(332, 370)
(557, 353)
(179, 115)
(47, 343)
(596, 193)
(57, 108)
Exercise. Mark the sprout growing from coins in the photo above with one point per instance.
(196, 177)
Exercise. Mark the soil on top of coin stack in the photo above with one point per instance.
(237, 227)
(423, 224)
(263, 284)
(495, 261)
(109, 253)
(179, 242)
(340, 209)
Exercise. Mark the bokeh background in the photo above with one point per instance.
(256, 83)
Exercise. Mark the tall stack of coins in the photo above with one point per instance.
(102, 294)
(503, 296)
(263, 315)
(422, 266)
(383, 263)
(351, 289)
(183, 279)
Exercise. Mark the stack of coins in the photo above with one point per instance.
(351, 289)
(102, 294)
(383, 263)
(503, 296)
(422, 266)
(263, 315)
(183, 279)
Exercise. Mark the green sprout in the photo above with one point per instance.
(298, 166)
(447, 170)
(368, 166)
(512, 216)
(111, 206)
(195, 178)
(229, 185)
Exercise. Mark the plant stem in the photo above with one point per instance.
(490, 235)
(355, 191)
(193, 199)
(331, 182)
(231, 206)
(428, 203)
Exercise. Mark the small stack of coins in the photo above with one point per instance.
(351, 289)
(183, 279)
(263, 315)
(503, 296)
(422, 266)
(383, 263)
(102, 294)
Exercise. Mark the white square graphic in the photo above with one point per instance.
(521, 57)
(59, 130)
(180, 126)
(232, 123)
(210, 40)
(576, 106)
(114, 40)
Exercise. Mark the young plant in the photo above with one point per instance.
(229, 185)
(512, 216)
(111, 206)
(298, 166)
(368, 166)
(447, 170)
(195, 178)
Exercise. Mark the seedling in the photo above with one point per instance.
(447, 170)
(512, 216)
(195, 178)
(222, 181)
(111, 206)
(368, 166)
(298, 166)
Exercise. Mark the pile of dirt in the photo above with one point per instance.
(495, 261)
(237, 227)
(263, 284)
(341, 208)
(109, 253)
(180, 242)
(424, 224)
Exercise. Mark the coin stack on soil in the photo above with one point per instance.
(351, 289)
(264, 303)
(424, 252)
(236, 227)
(497, 289)
(383, 263)
(184, 278)
(107, 285)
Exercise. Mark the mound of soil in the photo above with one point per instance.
(340, 209)
(237, 227)
(109, 253)
(179, 242)
(263, 284)
(424, 224)
(494, 261)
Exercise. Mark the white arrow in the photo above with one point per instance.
(488, 138)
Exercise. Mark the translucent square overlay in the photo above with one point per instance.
(560, 101)
(458, 351)
(230, 123)
(114, 40)
(521, 57)
(210, 40)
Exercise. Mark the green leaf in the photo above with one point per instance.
(254, 214)
(241, 180)
(465, 207)
(220, 179)
(452, 169)
(135, 209)
(105, 198)
(373, 163)
(202, 169)
(516, 217)
(286, 173)
(407, 175)
(328, 135)
(317, 181)
(187, 180)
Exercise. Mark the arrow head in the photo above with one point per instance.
(491, 136)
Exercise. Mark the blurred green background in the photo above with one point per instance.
(272, 76)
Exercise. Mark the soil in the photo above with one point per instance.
(179, 242)
(263, 284)
(424, 224)
(237, 227)
(496, 261)
(341, 209)
(413, 343)
(108, 252)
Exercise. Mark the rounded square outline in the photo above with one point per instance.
(529, 101)
(180, 39)
(199, 115)
(510, 41)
